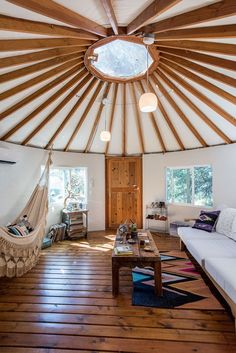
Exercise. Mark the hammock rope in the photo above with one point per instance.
(19, 254)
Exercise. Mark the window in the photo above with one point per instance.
(189, 185)
(121, 58)
(63, 181)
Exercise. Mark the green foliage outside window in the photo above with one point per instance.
(189, 185)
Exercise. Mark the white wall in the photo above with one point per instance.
(17, 181)
(223, 162)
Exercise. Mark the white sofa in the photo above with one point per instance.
(216, 253)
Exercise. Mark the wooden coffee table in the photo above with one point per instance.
(139, 258)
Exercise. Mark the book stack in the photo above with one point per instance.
(123, 250)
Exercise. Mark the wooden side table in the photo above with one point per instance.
(76, 223)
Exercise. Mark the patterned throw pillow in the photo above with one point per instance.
(207, 220)
(17, 230)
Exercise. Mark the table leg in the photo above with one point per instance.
(158, 278)
(115, 279)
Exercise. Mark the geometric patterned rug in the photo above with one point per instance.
(183, 286)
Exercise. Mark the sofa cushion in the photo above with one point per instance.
(222, 271)
(202, 249)
(188, 234)
(225, 222)
(207, 220)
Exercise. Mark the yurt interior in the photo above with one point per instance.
(118, 176)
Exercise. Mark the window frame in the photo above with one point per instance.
(66, 167)
(191, 167)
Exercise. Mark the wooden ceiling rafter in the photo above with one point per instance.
(197, 93)
(204, 58)
(156, 8)
(201, 81)
(123, 128)
(168, 121)
(194, 107)
(38, 92)
(61, 13)
(40, 43)
(107, 5)
(57, 109)
(221, 9)
(223, 31)
(169, 70)
(85, 113)
(97, 119)
(138, 119)
(40, 78)
(72, 111)
(39, 55)
(200, 69)
(153, 120)
(45, 104)
(213, 47)
(8, 23)
(30, 69)
(179, 111)
(111, 121)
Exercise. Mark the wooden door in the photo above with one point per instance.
(123, 190)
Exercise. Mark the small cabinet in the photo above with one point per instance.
(76, 223)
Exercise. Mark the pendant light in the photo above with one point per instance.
(148, 101)
(105, 135)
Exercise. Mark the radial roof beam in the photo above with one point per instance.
(211, 104)
(194, 107)
(207, 59)
(60, 13)
(13, 75)
(71, 112)
(57, 109)
(154, 122)
(138, 119)
(45, 104)
(40, 43)
(41, 90)
(218, 48)
(107, 5)
(225, 31)
(8, 23)
(84, 115)
(168, 120)
(197, 79)
(39, 55)
(201, 69)
(97, 119)
(111, 121)
(214, 11)
(179, 111)
(156, 8)
(202, 82)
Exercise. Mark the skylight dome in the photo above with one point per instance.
(121, 58)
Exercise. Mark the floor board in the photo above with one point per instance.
(65, 305)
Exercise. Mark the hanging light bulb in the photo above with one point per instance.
(105, 135)
(148, 101)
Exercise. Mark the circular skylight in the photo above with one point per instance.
(121, 59)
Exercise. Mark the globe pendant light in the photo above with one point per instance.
(148, 101)
(105, 135)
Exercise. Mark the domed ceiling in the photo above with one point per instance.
(59, 60)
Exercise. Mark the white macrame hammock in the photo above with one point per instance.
(19, 254)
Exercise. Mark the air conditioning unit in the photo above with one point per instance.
(7, 156)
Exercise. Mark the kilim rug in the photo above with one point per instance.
(183, 285)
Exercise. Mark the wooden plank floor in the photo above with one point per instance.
(65, 305)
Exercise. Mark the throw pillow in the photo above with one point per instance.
(226, 222)
(17, 230)
(207, 220)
